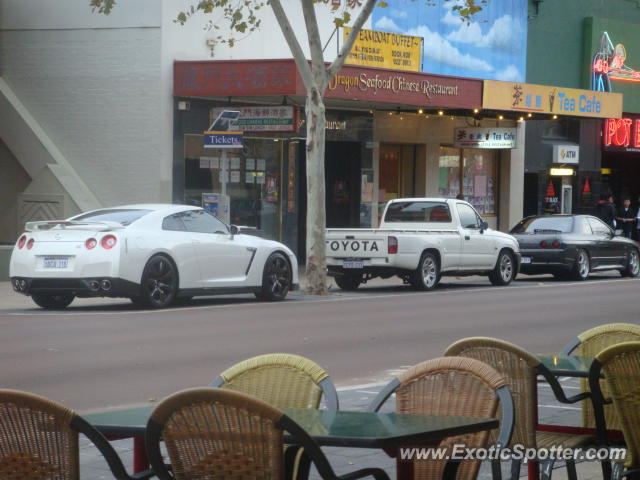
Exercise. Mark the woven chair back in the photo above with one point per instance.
(36, 440)
(450, 386)
(621, 367)
(214, 433)
(592, 342)
(519, 368)
(281, 380)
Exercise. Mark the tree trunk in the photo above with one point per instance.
(316, 271)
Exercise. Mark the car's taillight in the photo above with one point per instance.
(30, 243)
(392, 245)
(108, 242)
(556, 244)
(22, 241)
(543, 244)
(91, 243)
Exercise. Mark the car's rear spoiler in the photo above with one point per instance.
(73, 225)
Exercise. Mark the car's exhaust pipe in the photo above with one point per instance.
(94, 285)
(106, 285)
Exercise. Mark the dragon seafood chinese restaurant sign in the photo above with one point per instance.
(528, 98)
(423, 90)
(395, 51)
(240, 78)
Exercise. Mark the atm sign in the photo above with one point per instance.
(622, 133)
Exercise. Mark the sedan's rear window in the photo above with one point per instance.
(543, 225)
(407, 212)
(121, 216)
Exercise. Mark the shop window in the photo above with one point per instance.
(472, 172)
(251, 179)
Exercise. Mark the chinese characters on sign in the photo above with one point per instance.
(385, 50)
(477, 137)
(263, 118)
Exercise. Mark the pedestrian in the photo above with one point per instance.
(638, 221)
(606, 210)
(459, 196)
(626, 218)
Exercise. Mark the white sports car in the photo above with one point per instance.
(152, 254)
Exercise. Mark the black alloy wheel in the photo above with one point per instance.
(159, 283)
(53, 302)
(276, 278)
(349, 281)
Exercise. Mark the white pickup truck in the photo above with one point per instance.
(419, 240)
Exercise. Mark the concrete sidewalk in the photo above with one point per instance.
(345, 460)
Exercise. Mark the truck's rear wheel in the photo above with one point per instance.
(350, 281)
(427, 275)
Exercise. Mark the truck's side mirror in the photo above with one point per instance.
(483, 226)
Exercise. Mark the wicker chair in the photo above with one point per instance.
(300, 382)
(621, 366)
(452, 386)
(283, 380)
(589, 344)
(223, 434)
(521, 370)
(39, 440)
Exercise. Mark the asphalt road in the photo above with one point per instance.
(102, 353)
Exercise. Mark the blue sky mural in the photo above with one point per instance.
(492, 46)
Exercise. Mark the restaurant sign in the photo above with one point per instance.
(395, 51)
(528, 98)
(478, 137)
(423, 90)
(622, 134)
(262, 118)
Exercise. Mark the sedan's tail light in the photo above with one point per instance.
(108, 242)
(556, 244)
(22, 241)
(392, 245)
(543, 244)
(30, 243)
(91, 243)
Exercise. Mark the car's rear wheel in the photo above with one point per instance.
(276, 278)
(53, 302)
(159, 283)
(427, 275)
(504, 271)
(581, 267)
(633, 264)
(349, 281)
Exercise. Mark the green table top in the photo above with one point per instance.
(567, 365)
(329, 427)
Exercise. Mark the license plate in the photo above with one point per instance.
(353, 263)
(526, 259)
(55, 262)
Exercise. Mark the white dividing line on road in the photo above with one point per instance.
(567, 387)
(298, 302)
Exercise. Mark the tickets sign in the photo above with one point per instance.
(395, 51)
(529, 98)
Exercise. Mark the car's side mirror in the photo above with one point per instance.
(234, 230)
(483, 226)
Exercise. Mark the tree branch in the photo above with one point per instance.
(294, 45)
(315, 44)
(365, 13)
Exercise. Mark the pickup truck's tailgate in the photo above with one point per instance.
(355, 245)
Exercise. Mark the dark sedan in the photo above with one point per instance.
(571, 246)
